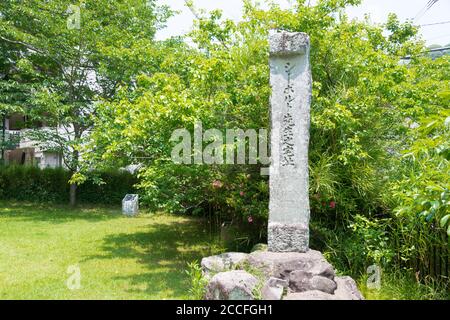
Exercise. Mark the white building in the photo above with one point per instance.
(20, 150)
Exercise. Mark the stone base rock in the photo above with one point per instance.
(274, 289)
(300, 281)
(283, 275)
(222, 262)
(231, 285)
(347, 289)
(310, 295)
(281, 264)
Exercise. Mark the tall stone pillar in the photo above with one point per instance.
(291, 81)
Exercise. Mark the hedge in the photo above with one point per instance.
(26, 183)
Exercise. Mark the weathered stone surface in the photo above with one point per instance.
(323, 284)
(288, 237)
(273, 289)
(300, 281)
(259, 247)
(310, 295)
(347, 289)
(223, 262)
(281, 264)
(291, 82)
(307, 276)
(323, 268)
(231, 285)
(286, 43)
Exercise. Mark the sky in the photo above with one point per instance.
(378, 10)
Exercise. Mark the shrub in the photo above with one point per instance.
(114, 185)
(25, 183)
(197, 290)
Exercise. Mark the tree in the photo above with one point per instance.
(14, 85)
(73, 56)
(225, 85)
(365, 104)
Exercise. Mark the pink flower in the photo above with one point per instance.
(242, 193)
(217, 184)
(250, 219)
(332, 204)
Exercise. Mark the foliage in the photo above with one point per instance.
(65, 57)
(363, 243)
(223, 83)
(197, 289)
(399, 285)
(374, 239)
(24, 183)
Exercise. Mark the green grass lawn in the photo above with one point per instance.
(118, 257)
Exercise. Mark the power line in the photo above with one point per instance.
(438, 49)
(427, 51)
(425, 9)
(433, 24)
(431, 3)
(420, 13)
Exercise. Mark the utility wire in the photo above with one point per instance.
(420, 13)
(431, 3)
(433, 24)
(427, 51)
(438, 49)
(425, 9)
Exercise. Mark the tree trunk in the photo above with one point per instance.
(3, 138)
(74, 166)
(73, 194)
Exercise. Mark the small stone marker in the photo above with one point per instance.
(291, 82)
(130, 205)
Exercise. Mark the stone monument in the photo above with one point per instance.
(130, 205)
(291, 82)
(287, 269)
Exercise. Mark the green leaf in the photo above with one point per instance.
(423, 213)
(444, 220)
(435, 205)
